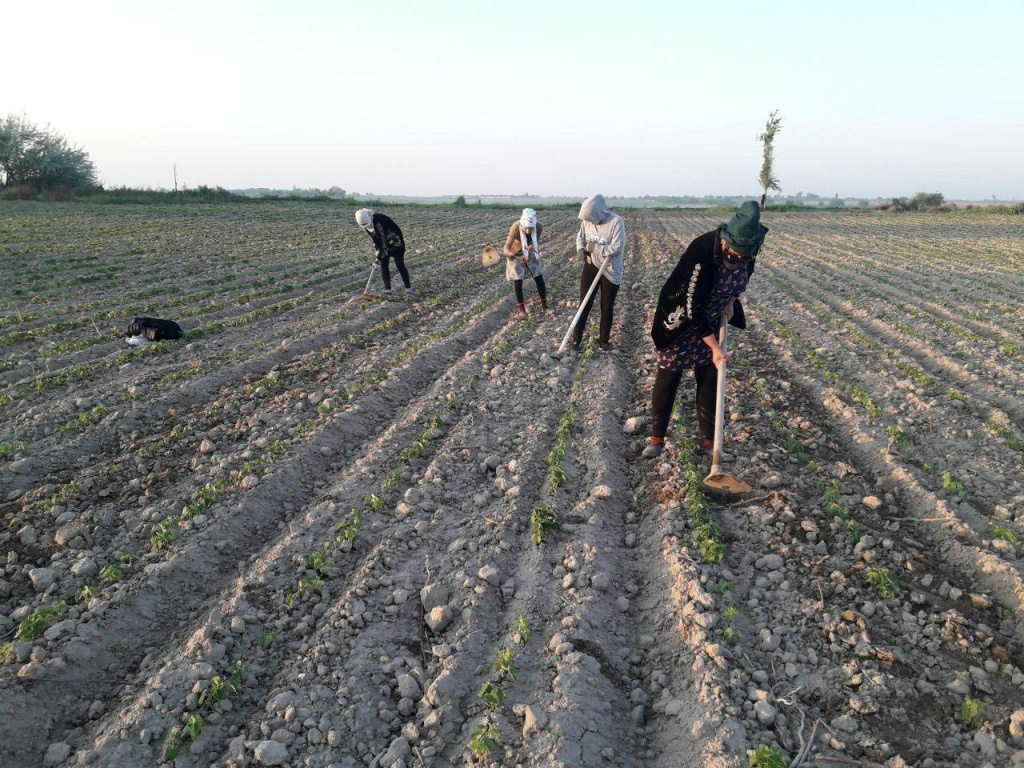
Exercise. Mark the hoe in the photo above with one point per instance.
(576, 317)
(717, 483)
(367, 296)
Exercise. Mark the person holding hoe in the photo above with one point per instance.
(388, 243)
(705, 285)
(601, 245)
(522, 255)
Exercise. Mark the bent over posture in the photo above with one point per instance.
(705, 284)
(601, 245)
(522, 255)
(388, 243)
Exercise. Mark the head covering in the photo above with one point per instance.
(528, 219)
(595, 210)
(744, 232)
(364, 217)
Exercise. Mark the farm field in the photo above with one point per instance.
(317, 532)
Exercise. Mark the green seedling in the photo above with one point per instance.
(952, 485)
(374, 502)
(36, 623)
(267, 639)
(483, 740)
(491, 695)
(899, 438)
(542, 521)
(110, 574)
(319, 562)
(194, 726)
(730, 613)
(768, 757)
(1004, 534)
(392, 480)
(883, 582)
(504, 664)
(971, 712)
(523, 628)
(348, 529)
(86, 593)
(731, 635)
(174, 743)
(726, 586)
(164, 533)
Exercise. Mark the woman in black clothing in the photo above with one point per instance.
(705, 284)
(388, 243)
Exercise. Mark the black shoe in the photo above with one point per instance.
(606, 346)
(576, 340)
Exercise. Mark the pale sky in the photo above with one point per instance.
(568, 98)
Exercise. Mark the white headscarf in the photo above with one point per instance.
(529, 220)
(364, 217)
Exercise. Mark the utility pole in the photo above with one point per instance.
(175, 178)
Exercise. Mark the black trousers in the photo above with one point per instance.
(385, 271)
(542, 291)
(608, 291)
(666, 384)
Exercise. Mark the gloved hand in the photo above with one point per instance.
(376, 255)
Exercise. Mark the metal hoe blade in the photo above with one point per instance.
(717, 483)
(724, 486)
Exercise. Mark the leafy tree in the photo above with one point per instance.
(767, 179)
(460, 200)
(926, 201)
(40, 158)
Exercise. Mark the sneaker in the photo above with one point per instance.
(653, 450)
(606, 346)
(136, 341)
(409, 291)
(576, 340)
(387, 291)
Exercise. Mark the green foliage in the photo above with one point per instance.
(883, 582)
(971, 712)
(897, 437)
(730, 613)
(767, 178)
(267, 639)
(523, 628)
(483, 740)
(505, 664)
(348, 529)
(731, 635)
(41, 158)
(319, 562)
(1004, 534)
(164, 533)
(491, 695)
(768, 757)
(32, 626)
(543, 520)
(110, 574)
(952, 485)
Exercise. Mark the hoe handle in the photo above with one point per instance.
(716, 456)
(373, 271)
(576, 317)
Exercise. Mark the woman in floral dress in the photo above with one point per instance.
(705, 284)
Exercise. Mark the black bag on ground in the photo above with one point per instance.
(155, 329)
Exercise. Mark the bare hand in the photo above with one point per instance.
(719, 358)
(729, 310)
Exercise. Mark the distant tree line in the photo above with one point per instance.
(922, 201)
(34, 159)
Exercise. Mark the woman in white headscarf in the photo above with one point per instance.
(522, 255)
(388, 243)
